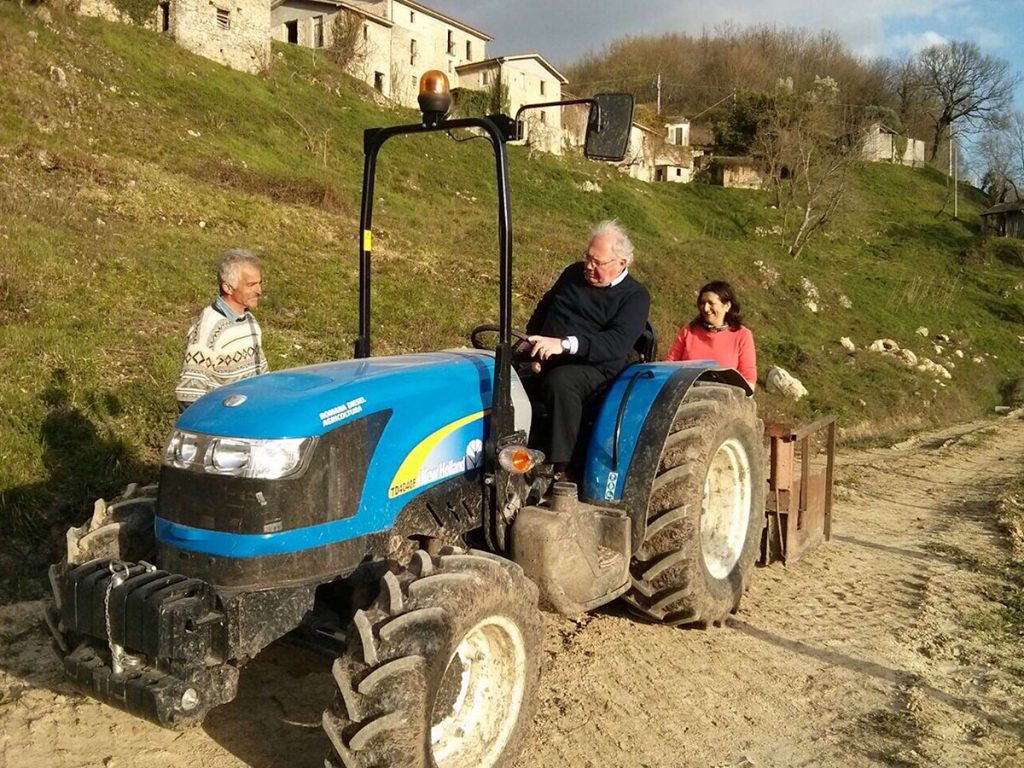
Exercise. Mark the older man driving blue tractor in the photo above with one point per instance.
(391, 510)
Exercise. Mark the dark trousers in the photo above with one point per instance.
(566, 396)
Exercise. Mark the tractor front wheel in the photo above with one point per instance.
(442, 669)
(121, 528)
(705, 513)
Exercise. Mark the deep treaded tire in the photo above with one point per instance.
(121, 528)
(441, 670)
(706, 511)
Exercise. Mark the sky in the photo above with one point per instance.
(563, 30)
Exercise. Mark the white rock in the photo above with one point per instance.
(908, 357)
(848, 344)
(938, 349)
(810, 289)
(959, 353)
(844, 301)
(978, 359)
(590, 186)
(884, 345)
(811, 305)
(782, 382)
(58, 76)
(922, 331)
(941, 337)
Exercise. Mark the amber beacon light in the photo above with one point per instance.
(434, 97)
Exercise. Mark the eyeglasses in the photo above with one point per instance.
(590, 261)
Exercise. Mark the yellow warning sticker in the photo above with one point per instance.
(367, 240)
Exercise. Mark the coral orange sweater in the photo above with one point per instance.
(734, 349)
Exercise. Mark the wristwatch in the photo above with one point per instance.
(566, 345)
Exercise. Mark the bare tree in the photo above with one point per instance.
(996, 151)
(347, 47)
(965, 84)
(806, 142)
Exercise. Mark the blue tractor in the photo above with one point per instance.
(391, 512)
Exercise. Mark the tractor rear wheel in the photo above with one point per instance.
(442, 670)
(705, 513)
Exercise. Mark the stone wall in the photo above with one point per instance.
(233, 32)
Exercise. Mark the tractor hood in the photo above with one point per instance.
(425, 389)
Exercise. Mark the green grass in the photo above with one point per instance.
(120, 188)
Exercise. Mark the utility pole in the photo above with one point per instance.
(659, 93)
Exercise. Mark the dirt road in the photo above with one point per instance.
(855, 656)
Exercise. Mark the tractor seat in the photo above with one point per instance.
(646, 347)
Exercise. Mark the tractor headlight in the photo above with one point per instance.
(238, 456)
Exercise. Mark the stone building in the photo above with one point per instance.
(395, 41)
(523, 79)
(233, 32)
(741, 172)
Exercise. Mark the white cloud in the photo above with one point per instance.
(986, 38)
(916, 41)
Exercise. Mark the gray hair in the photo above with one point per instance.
(622, 246)
(229, 268)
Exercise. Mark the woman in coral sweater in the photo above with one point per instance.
(717, 333)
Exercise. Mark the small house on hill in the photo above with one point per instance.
(740, 172)
(884, 145)
(1004, 220)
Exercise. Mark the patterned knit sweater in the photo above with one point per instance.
(219, 351)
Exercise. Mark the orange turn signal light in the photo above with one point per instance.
(519, 459)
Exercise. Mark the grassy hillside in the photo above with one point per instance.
(127, 164)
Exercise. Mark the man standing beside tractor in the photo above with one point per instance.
(225, 344)
(582, 332)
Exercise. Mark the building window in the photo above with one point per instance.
(469, 50)
(542, 88)
(378, 81)
(483, 78)
(679, 171)
(415, 83)
(165, 17)
(543, 116)
(412, 52)
(366, 32)
(451, 66)
(318, 31)
(412, 17)
(451, 43)
(291, 31)
(224, 19)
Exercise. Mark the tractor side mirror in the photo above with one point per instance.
(611, 117)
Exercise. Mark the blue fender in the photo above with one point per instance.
(631, 428)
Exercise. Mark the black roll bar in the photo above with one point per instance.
(498, 129)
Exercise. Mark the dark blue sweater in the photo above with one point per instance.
(606, 321)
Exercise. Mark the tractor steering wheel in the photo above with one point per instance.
(476, 333)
